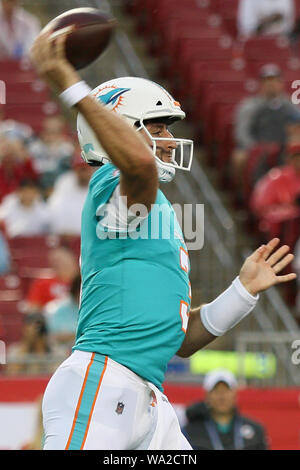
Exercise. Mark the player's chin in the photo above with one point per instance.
(166, 159)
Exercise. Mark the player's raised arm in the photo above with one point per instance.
(259, 272)
(125, 147)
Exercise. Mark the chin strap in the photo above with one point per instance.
(165, 173)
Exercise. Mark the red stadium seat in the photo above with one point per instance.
(27, 92)
(179, 29)
(14, 66)
(30, 260)
(11, 319)
(22, 246)
(224, 6)
(202, 74)
(224, 141)
(268, 49)
(12, 71)
(269, 153)
(190, 50)
(236, 65)
(200, 71)
(227, 10)
(31, 114)
(157, 18)
(297, 8)
(214, 93)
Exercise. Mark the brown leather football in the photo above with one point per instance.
(92, 33)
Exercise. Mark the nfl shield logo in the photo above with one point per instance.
(120, 408)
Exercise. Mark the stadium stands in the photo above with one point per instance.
(27, 98)
(30, 262)
(211, 70)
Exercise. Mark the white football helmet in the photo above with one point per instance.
(137, 100)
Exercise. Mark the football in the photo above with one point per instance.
(90, 37)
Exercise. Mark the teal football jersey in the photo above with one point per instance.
(135, 296)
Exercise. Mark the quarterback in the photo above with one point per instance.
(135, 310)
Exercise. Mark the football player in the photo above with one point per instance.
(135, 302)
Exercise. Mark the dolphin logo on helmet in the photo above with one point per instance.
(113, 97)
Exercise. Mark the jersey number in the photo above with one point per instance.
(184, 313)
(184, 306)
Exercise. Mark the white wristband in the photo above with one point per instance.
(75, 93)
(234, 304)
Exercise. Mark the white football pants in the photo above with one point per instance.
(92, 402)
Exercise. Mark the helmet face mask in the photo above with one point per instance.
(181, 158)
(138, 101)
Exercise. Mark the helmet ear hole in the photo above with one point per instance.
(159, 103)
(94, 163)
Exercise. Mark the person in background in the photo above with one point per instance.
(216, 423)
(52, 152)
(24, 213)
(276, 196)
(65, 268)
(62, 316)
(5, 260)
(296, 265)
(15, 165)
(262, 118)
(293, 129)
(18, 30)
(28, 356)
(265, 17)
(67, 199)
(13, 129)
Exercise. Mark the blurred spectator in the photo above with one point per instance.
(52, 151)
(262, 118)
(14, 130)
(295, 36)
(293, 129)
(42, 291)
(266, 17)
(23, 212)
(216, 424)
(18, 30)
(28, 356)
(15, 165)
(67, 199)
(276, 196)
(5, 261)
(296, 264)
(62, 316)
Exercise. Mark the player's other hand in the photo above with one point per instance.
(49, 59)
(260, 270)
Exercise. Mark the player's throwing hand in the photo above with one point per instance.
(49, 59)
(260, 270)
